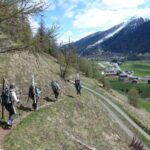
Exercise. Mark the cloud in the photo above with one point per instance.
(40, 1)
(122, 4)
(107, 13)
(70, 11)
(54, 19)
(68, 35)
(79, 18)
(34, 24)
(95, 18)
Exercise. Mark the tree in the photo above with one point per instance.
(102, 79)
(14, 21)
(133, 97)
(17, 8)
(67, 59)
(45, 38)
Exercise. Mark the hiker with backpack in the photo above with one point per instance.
(78, 84)
(56, 88)
(9, 98)
(34, 94)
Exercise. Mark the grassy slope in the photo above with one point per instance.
(121, 100)
(122, 86)
(145, 105)
(140, 68)
(18, 67)
(83, 117)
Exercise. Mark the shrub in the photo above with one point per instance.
(133, 97)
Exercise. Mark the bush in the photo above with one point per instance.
(133, 97)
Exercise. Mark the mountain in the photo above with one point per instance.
(92, 40)
(126, 38)
(133, 38)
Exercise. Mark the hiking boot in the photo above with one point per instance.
(9, 126)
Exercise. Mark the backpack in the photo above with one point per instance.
(31, 93)
(6, 97)
(55, 85)
(37, 91)
(77, 82)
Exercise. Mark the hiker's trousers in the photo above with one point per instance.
(78, 88)
(34, 104)
(12, 111)
(56, 93)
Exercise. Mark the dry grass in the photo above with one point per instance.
(140, 115)
(83, 117)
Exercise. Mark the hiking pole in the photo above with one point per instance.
(33, 83)
(2, 98)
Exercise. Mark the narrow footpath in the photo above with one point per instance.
(4, 132)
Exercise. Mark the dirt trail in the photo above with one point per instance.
(4, 132)
(123, 114)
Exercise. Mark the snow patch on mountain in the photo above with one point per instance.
(108, 36)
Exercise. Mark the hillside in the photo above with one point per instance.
(83, 117)
(18, 67)
(100, 118)
(85, 43)
(56, 127)
(133, 38)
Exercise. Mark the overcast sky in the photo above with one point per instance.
(78, 18)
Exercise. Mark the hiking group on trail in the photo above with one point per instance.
(9, 96)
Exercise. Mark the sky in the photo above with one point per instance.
(79, 18)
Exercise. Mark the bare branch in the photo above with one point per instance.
(24, 7)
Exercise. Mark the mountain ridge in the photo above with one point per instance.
(131, 37)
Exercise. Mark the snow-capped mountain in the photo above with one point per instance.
(94, 39)
(132, 36)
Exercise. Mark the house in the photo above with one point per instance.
(131, 78)
(122, 76)
(110, 73)
(129, 72)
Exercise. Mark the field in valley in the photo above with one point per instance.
(140, 68)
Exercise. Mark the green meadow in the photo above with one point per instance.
(140, 68)
(124, 87)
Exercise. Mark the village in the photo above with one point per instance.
(111, 69)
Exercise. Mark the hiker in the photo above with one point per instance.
(56, 88)
(78, 84)
(9, 97)
(34, 94)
